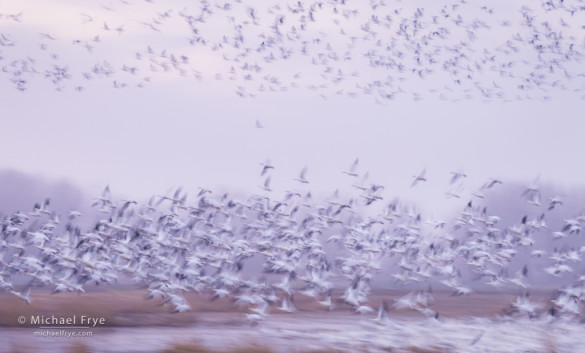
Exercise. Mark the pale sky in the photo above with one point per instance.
(183, 131)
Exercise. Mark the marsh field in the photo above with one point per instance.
(133, 323)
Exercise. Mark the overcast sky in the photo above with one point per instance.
(181, 131)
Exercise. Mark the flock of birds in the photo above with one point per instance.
(462, 50)
(305, 247)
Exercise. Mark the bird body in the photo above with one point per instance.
(24, 294)
(302, 177)
(418, 178)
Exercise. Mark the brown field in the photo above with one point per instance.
(128, 307)
(136, 324)
(79, 347)
(195, 348)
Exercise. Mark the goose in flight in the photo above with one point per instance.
(532, 193)
(74, 214)
(491, 183)
(182, 307)
(420, 177)
(4, 284)
(39, 209)
(104, 201)
(554, 202)
(266, 186)
(203, 191)
(287, 305)
(352, 169)
(24, 294)
(220, 293)
(155, 293)
(176, 198)
(382, 312)
(524, 306)
(327, 303)
(261, 308)
(456, 176)
(179, 303)
(302, 177)
(534, 199)
(60, 288)
(265, 167)
(364, 309)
